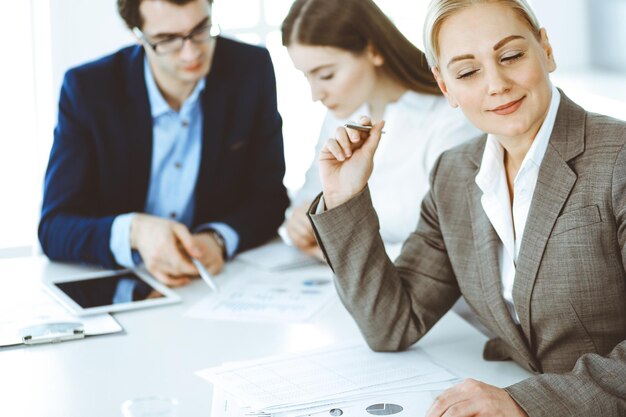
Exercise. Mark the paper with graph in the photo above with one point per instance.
(310, 382)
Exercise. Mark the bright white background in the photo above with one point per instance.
(43, 38)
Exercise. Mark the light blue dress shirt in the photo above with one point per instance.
(176, 154)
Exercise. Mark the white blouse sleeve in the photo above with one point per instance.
(451, 130)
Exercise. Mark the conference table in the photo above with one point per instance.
(161, 348)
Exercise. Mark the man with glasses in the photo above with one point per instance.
(166, 151)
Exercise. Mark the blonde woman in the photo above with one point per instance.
(357, 62)
(527, 223)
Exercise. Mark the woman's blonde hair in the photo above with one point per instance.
(440, 10)
(353, 25)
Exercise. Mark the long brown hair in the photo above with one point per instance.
(352, 25)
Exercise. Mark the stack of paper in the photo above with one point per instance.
(318, 381)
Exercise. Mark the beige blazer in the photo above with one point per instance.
(570, 283)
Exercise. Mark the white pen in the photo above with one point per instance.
(360, 128)
(204, 274)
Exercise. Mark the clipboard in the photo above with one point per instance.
(52, 332)
(57, 329)
(31, 316)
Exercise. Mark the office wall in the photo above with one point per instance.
(567, 24)
(81, 31)
(608, 37)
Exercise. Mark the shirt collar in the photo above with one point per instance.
(191, 101)
(158, 105)
(540, 144)
(492, 165)
(493, 156)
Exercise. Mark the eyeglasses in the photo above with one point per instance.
(175, 43)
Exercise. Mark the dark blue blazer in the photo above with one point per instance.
(100, 160)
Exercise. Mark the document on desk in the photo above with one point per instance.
(27, 304)
(412, 404)
(277, 256)
(286, 297)
(312, 382)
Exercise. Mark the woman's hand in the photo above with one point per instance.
(473, 398)
(299, 227)
(301, 233)
(347, 161)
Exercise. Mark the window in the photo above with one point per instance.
(19, 171)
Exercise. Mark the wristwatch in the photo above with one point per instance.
(220, 241)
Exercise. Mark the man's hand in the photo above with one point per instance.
(300, 232)
(315, 251)
(346, 162)
(474, 398)
(209, 252)
(165, 247)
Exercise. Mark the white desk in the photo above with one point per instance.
(160, 350)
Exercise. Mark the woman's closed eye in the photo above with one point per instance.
(464, 74)
(512, 57)
(326, 77)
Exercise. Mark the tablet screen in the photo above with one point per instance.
(108, 290)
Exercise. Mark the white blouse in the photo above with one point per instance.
(510, 222)
(418, 128)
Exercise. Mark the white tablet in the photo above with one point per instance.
(109, 291)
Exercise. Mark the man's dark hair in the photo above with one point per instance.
(129, 10)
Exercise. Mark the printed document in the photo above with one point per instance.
(296, 295)
(313, 381)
